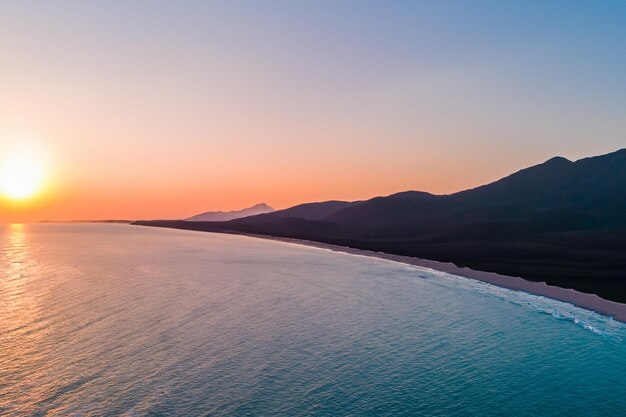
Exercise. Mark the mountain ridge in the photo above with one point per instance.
(561, 221)
(257, 209)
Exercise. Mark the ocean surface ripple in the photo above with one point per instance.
(118, 320)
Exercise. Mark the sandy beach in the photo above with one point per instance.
(577, 298)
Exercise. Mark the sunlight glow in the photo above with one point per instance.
(21, 174)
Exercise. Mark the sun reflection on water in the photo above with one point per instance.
(13, 254)
(16, 303)
(20, 312)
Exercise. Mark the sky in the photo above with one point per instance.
(155, 109)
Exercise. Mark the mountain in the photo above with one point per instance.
(562, 222)
(222, 216)
(307, 211)
(556, 195)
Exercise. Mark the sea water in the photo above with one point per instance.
(107, 320)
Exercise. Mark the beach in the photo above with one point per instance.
(587, 301)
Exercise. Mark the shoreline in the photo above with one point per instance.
(586, 301)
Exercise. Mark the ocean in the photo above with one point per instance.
(109, 320)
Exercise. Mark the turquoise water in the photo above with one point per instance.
(110, 320)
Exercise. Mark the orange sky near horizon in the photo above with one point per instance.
(150, 110)
(174, 189)
(180, 188)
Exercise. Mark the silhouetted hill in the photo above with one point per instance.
(222, 216)
(307, 211)
(556, 195)
(562, 222)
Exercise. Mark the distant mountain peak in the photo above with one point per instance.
(412, 194)
(558, 160)
(222, 216)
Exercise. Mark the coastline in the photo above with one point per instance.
(583, 300)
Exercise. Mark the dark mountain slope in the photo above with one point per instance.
(307, 211)
(555, 195)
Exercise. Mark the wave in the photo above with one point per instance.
(587, 319)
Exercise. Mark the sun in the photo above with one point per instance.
(21, 174)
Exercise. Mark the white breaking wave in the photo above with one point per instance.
(561, 310)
